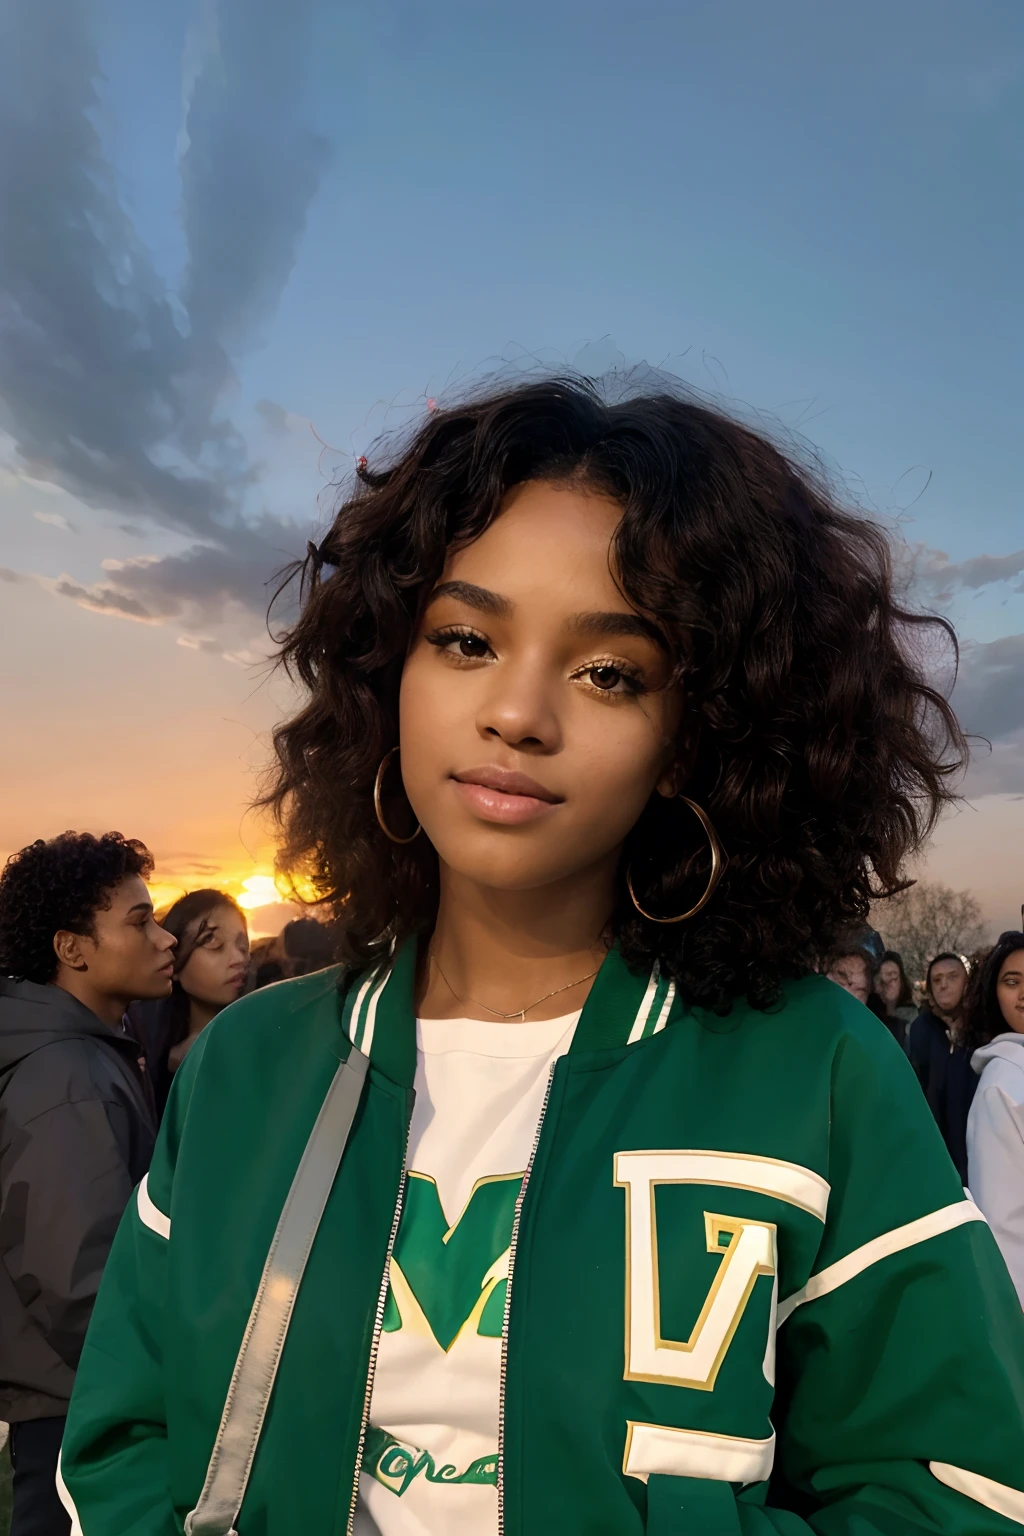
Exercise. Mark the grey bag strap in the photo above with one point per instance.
(263, 1342)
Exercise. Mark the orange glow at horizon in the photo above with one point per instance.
(258, 893)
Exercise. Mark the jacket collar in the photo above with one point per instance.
(379, 1017)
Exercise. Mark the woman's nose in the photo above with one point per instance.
(521, 710)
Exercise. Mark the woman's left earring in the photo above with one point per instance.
(378, 784)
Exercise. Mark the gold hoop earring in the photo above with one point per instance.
(377, 785)
(718, 862)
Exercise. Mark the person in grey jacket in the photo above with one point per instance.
(78, 943)
(995, 1127)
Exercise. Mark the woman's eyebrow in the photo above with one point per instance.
(610, 625)
(614, 624)
(480, 598)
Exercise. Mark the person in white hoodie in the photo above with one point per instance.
(994, 1025)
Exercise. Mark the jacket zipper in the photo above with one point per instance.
(378, 1322)
(513, 1244)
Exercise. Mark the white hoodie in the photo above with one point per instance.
(995, 1147)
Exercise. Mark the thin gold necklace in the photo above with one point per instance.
(519, 1013)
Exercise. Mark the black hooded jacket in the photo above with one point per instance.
(77, 1129)
(945, 1073)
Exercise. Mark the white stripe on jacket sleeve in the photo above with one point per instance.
(67, 1501)
(855, 1263)
(149, 1214)
(983, 1490)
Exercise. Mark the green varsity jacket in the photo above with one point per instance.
(743, 1289)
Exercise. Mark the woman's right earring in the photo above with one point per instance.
(377, 787)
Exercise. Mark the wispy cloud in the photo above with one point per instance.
(112, 387)
(105, 599)
(933, 576)
(203, 585)
(55, 520)
(201, 643)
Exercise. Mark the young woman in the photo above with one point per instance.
(211, 966)
(611, 726)
(994, 1033)
(896, 995)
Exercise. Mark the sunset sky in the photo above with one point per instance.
(239, 240)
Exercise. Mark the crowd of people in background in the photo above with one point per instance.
(964, 1038)
(101, 999)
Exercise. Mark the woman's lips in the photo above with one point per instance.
(501, 795)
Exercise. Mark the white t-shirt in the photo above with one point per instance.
(431, 1455)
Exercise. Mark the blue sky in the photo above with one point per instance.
(232, 221)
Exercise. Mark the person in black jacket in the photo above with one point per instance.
(942, 1064)
(78, 943)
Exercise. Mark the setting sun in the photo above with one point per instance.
(258, 891)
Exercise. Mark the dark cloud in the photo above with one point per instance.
(250, 170)
(200, 586)
(94, 369)
(989, 700)
(989, 692)
(110, 385)
(103, 599)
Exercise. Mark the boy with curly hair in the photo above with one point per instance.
(78, 943)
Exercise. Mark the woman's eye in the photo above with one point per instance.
(471, 646)
(611, 679)
(462, 645)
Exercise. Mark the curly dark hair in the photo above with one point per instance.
(60, 884)
(811, 733)
(983, 1017)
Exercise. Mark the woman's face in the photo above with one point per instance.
(215, 971)
(536, 719)
(889, 983)
(1010, 991)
